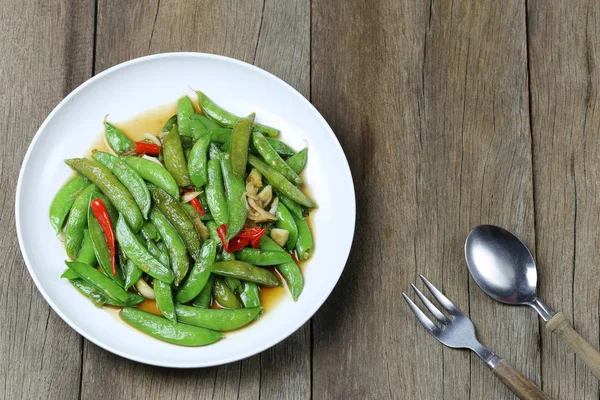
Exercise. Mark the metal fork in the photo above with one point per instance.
(458, 331)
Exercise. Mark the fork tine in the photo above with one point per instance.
(433, 309)
(423, 319)
(444, 301)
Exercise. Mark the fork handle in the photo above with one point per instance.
(559, 325)
(518, 383)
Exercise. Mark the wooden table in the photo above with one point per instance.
(451, 114)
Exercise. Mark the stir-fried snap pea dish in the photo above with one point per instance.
(184, 229)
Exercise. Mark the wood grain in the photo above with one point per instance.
(430, 104)
(563, 39)
(46, 52)
(518, 383)
(275, 35)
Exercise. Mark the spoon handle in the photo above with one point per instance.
(590, 356)
(518, 383)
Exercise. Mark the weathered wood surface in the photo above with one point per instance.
(451, 114)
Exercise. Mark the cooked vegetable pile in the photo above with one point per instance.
(195, 219)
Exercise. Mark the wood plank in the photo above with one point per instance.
(430, 104)
(46, 53)
(275, 36)
(563, 40)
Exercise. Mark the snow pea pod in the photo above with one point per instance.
(279, 182)
(97, 279)
(164, 300)
(196, 219)
(132, 274)
(246, 272)
(261, 257)
(223, 295)
(216, 320)
(236, 198)
(149, 231)
(203, 300)
(273, 159)
(289, 270)
(64, 199)
(87, 254)
(169, 124)
(174, 158)
(227, 119)
(298, 161)
(197, 160)
(77, 221)
(128, 177)
(185, 110)
(215, 194)
(223, 135)
(285, 220)
(117, 140)
(250, 295)
(162, 256)
(304, 244)
(118, 194)
(281, 148)
(100, 299)
(234, 284)
(240, 142)
(137, 253)
(169, 331)
(154, 173)
(180, 220)
(220, 135)
(292, 206)
(206, 122)
(174, 244)
(199, 274)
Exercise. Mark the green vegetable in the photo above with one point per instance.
(298, 161)
(250, 295)
(215, 194)
(154, 173)
(87, 254)
(164, 300)
(217, 320)
(240, 142)
(198, 276)
(132, 273)
(169, 124)
(289, 270)
(203, 300)
(273, 159)
(176, 248)
(234, 284)
(285, 220)
(261, 257)
(117, 140)
(304, 244)
(236, 198)
(197, 161)
(149, 231)
(292, 206)
(77, 222)
(97, 279)
(246, 272)
(174, 158)
(64, 199)
(223, 295)
(185, 110)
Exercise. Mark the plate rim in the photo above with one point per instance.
(347, 174)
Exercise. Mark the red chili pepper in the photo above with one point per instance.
(146, 148)
(99, 210)
(195, 202)
(244, 238)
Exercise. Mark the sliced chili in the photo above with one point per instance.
(248, 236)
(195, 203)
(146, 148)
(101, 214)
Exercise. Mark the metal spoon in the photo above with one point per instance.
(504, 268)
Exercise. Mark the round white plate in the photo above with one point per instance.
(145, 83)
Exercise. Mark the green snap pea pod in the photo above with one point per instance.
(87, 254)
(128, 177)
(216, 320)
(164, 300)
(204, 298)
(304, 244)
(292, 206)
(220, 135)
(101, 249)
(298, 160)
(180, 220)
(169, 331)
(132, 274)
(225, 256)
(250, 295)
(185, 110)
(64, 199)
(187, 143)
(174, 244)
(162, 256)
(215, 194)
(199, 274)
(198, 128)
(149, 231)
(261, 257)
(154, 173)
(205, 121)
(227, 147)
(234, 284)
(279, 182)
(174, 158)
(227, 119)
(285, 220)
(273, 159)
(236, 198)
(99, 299)
(289, 270)
(117, 140)
(197, 160)
(240, 142)
(196, 219)
(169, 124)
(118, 194)
(137, 253)
(223, 135)
(281, 148)
(97, 279)
(246, 272)
(224, 295)
(212, 231)
(77, 221)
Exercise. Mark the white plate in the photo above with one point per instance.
(142, 84)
